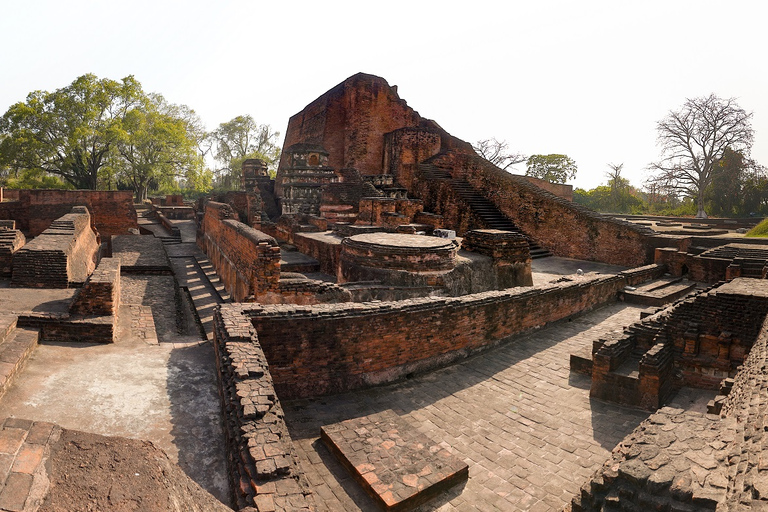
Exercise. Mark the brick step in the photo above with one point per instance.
(7, 326)
(14, 353)
(210, 273)
(659, 292)
(581, 361)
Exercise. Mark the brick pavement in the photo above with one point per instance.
(524, 425)
(24, 447)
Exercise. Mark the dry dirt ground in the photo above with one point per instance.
(89, 472)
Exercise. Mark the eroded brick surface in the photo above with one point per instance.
(396, 464)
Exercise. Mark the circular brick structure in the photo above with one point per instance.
(396, 251)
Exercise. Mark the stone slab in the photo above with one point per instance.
(399, 467)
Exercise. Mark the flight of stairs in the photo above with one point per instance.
(481, 206)
(16, 345)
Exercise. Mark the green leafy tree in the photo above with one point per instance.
(155, 146)
(70, 132)
(694, 138)
(553, 168)
(239, 139)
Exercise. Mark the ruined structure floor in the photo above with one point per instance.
(525, 426)
(164, 393)
(156, 383)
(19, 300)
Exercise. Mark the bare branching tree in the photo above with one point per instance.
(693, 139)
(614, 173)
(615, 180)
(497, 152)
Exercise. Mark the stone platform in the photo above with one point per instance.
(399, 251)
(399, 467)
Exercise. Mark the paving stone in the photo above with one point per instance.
(11, 440)
(28, 459)
(14, 494)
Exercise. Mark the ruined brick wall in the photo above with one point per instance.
(315, 350)
(61, 256)
(563, 227)
(112, 211)
(559, 189)
(263, 466)
(378, 211)
(247, 205)
(405, 148)
(10, 194)
(325, 250)
(247, 260)
(11, 240)
(713, 332)
(678, 460)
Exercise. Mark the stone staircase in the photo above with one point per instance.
(16, 345)
(481, 206)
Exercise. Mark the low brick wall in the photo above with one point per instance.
(174, 230)
(247, 260)
(324, 248)
(101, 293)
(63, 328)
(263, 467)
(316, 350)
(64, 254)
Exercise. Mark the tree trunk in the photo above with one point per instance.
(700, 213)
(141, 193)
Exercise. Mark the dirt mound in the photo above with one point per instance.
(89, 472)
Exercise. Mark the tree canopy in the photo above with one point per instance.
(553, 168)
(102, 133)
(239, 139)
(693, 139)
(155, 145)
(69, 132)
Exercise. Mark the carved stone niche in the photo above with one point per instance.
(299, 184)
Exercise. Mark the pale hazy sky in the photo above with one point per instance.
(586, 78)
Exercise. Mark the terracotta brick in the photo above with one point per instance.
(28, 459)
(11, 439)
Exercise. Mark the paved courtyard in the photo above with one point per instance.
(526, 427)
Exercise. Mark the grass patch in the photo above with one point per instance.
(761, 230)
